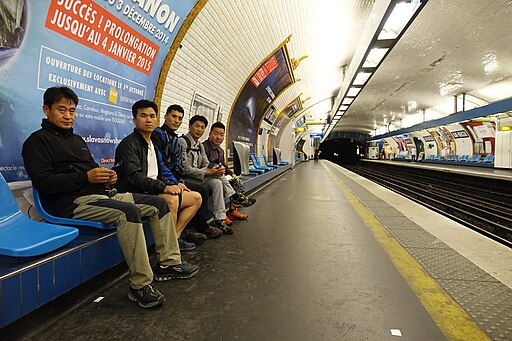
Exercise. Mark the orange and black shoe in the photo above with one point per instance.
(228, 222)
(234, 214)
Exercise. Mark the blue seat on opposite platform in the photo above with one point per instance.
(23, 237)
(65, 221)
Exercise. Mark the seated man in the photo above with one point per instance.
(199, 169)
(215, 155)
(166, 140)
(140, 170)
(72, 185)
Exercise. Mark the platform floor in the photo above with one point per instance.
(318, 259)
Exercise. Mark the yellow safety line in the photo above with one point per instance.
(450, 317)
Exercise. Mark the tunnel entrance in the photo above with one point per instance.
(342, 151)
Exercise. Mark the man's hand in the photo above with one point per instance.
(101, 175)
(221, 170)
(211, 172)
(233, 176)
(183, 187)
(173, 190)
(113, 179)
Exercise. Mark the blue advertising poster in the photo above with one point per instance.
(109, 52)
(271, 78)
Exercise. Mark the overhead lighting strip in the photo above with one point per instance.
(396, 16)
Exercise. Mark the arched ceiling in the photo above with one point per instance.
(453, 47)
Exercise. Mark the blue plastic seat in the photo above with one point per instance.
(489, 158)
(255, 170)
(475, 158)
(257, 164)
(268, 164)
(65, 221)
(23, 237)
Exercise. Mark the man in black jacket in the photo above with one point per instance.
(72, 185)
(140, 170)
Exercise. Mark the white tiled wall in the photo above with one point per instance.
(230, 38)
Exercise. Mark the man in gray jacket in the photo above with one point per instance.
(199, 169)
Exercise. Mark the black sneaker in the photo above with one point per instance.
(180, 271)
(240, 201)
(213, 232)
(146, 297)
(220, 224)
(193, 237)
(249, 201)
(184, 246)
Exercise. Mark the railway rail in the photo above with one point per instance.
(484, 205)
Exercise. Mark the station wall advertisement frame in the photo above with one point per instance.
(110, 52)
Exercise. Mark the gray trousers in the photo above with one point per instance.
(219, 189)
(125, 211)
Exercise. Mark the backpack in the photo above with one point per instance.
(172, 152)
(189, 145)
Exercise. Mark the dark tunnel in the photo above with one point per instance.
(342, 151)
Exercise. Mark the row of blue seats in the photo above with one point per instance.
(464, 158)
(258, 168)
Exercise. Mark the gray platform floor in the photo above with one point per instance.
(303, 267)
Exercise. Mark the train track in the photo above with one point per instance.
(484, 205)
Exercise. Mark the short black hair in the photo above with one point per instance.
(195, 118)
(218, 125)
(55, 93)
(175, 107)
(143, 103)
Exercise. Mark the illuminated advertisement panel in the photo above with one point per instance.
(258, 93)
(109, 52)
(281, 121)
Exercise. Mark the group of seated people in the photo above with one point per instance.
(157, 175)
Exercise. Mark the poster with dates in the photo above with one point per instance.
(108, 51)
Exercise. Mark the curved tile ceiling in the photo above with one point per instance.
(452, 47)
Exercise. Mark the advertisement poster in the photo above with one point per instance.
(108, 51)
(281, 121)
(483, 135)
(269, 80)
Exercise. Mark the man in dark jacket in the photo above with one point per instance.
(72, 185)
(140, 170)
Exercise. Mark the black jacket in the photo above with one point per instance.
(132, 167)
(57, 161)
